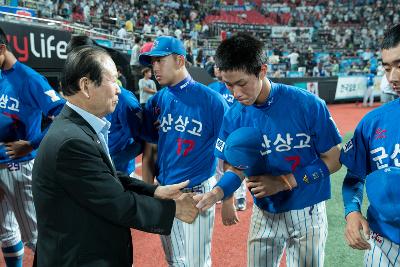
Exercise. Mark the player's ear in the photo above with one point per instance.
(181, 61)
(84, 86)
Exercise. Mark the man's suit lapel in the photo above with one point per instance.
(76, 118)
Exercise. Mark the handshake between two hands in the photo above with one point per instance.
(188, 205)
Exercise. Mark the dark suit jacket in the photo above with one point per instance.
(84, 209)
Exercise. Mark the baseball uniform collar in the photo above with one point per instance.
(271, 97)
(10, 69)
(182, 84)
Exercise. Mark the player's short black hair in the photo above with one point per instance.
(3, 38)
(241, 52)
(77, 41)
(84, 61)
(391, 38)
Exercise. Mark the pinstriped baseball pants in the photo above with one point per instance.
(189, 245)
(383, 252)
(17, 212)
(302, 232)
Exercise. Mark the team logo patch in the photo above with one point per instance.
(348, 146)
(220, 145)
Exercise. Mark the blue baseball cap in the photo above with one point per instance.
(383, 191)
(163, 46)
(243, 151)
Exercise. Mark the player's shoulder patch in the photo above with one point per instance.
(348, 146)
(220, 145)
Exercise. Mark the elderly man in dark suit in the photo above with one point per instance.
(84, 208)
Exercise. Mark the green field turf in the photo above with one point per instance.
(337, 252)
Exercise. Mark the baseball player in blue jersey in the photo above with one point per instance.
(190, 116)
(24, 96)
(240, 194)
(301, 144)
(375, 146)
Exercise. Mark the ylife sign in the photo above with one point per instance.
(38, 47)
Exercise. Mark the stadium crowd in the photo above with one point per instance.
(324, 38)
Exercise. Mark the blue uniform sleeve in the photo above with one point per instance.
(132, 113)
(228, 125)
(352, 193)
(149, 132)
(324, 128)
(220, 108)
(354, 153)
(38, 92)
(355, 157)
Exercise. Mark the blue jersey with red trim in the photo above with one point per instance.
(375, 145)
(297, 128)
(24, 96)
(190, 114)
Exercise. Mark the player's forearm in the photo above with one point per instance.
(352, 193)
(331, 159)
(148, 164)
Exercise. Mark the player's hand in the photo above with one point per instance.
(228, 212)
(18, 149)
(170, 191)
(207, 200)
(355, 223)
(265, 185)
(186, 210)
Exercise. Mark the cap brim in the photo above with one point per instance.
(145, 58)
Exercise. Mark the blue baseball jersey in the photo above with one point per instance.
(124, 131)
(190, 116)
(24, 96)
(375, 145)
(222, 89)
(296, 128)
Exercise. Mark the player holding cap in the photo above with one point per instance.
(375, 146)
(301, 144)
(240, 194)
(190, 116)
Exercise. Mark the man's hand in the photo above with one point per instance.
(170, 191)
(207, 200)
(186, 210)
(355, 223)
(228, 212)
(18, 149)
(266, 185)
